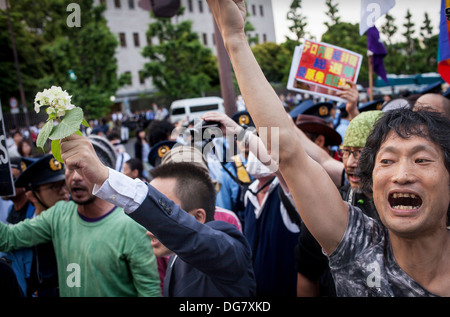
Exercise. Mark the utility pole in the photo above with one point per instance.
(16, 61)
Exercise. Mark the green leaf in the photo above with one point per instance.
(56, 150)
(44, 134)
(79, 133)
(85, 123)
(70, 124)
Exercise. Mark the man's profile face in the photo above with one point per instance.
(350, 158)
(51, 193)
(165, 186)
(411, 185)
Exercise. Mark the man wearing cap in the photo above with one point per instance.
(319, 131)
(99, 250)
(44, 182)
(314, 277)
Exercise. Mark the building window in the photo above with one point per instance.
(123, 40)
(214, 39)
(261, 10)
(200, 6)
(253, 10)
(141, 77)
(190, 7)
(264, 38)
(205, 39)
(136, 39)
(117, 3)
(131, 4)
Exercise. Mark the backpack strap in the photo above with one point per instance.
(291, 210)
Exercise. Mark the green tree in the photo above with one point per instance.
(408, 34)
(298, 20)
(29, 57)
(53, 49)
(273, 60)
(426, 30)
(180, 66)
(389, 28)
(88, 52)
(332, 13)
(428, 50)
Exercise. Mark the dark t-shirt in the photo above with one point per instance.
(363, 263)
(311, 262)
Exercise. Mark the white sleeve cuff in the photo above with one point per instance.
(122, 191)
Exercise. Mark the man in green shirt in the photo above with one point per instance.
(100, 251)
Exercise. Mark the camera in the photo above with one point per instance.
(206, 130)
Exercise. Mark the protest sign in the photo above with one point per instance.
(6, 179)
(323, 69)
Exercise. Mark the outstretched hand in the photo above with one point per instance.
(78, 154)
(350, 93)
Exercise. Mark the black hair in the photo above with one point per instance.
(194, 187)
(113, 136)
(159, 131)
(430, 125)
(136, 164)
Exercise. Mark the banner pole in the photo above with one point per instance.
(370, 78)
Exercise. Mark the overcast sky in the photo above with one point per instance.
(349, 11)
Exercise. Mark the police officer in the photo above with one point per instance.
(44, 181)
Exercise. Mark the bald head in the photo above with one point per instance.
(434, 102)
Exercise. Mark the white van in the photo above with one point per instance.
(194, 108)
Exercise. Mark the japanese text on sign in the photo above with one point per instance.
(325, 65)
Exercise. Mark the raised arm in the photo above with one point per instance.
(316, 196)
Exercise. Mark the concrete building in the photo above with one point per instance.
(130, 23)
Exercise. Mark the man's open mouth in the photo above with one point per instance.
(405, 201)
(78, 190)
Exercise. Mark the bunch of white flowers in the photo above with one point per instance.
(63, 118)
(57, 99)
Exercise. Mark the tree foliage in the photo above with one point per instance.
(298, 20)
(332, 13)
(49, 49)
(180, 66)
(274, 60)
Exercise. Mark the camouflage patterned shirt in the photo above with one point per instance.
(363, 263)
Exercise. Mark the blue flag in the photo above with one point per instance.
(378, 51)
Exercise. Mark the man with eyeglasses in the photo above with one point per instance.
(44, 181)
(354, 141)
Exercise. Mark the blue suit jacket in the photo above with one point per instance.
(212, 259)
